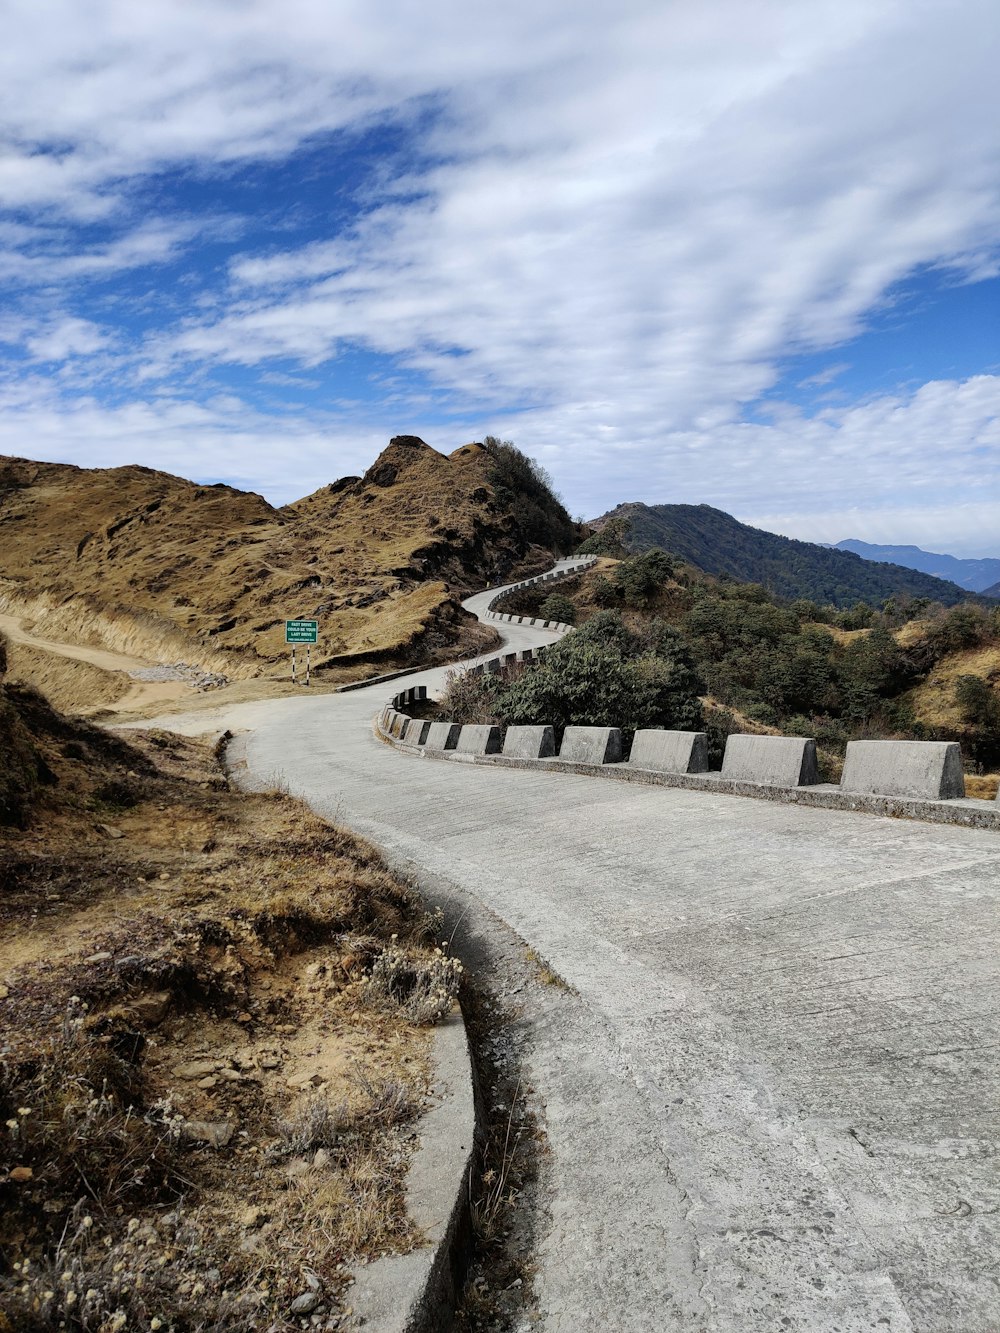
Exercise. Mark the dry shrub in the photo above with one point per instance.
(104, 1277)
(424, 987)
(316, 1123)
(76, 1122)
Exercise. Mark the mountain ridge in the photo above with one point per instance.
(158, 566)
(720, 544)
(973, 574)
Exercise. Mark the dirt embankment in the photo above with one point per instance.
(214, 1013)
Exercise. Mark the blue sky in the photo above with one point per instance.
(703, 251)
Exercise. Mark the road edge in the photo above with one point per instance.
(417, 1292)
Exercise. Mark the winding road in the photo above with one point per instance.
(772, 1094)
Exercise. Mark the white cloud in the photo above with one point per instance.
(223, 440)
(67, 337)
(630, 213)
(662, 226)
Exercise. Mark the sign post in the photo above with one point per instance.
(301, 631)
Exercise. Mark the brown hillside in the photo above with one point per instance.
(202, 1053)
(146, 563)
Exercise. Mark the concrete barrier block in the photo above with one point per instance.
(526, 655)
(926, 770)
(415, 732)
(509, 659)
(529, 742)
(442, 736)
(478, 738)
(670, 751)
(772, 761)
(399, 722)
(492, 667)
(591, 745)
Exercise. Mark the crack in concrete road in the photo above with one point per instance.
(720, 1160)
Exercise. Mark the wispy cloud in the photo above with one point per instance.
(67, 337)
(603, 228)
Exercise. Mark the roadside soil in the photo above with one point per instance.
(98, 684)
(214, 1011)
(512, 1000)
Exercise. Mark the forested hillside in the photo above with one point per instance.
(909, 669)
(719, 544)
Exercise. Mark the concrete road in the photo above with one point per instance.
(773, 1102)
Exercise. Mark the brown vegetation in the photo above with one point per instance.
(212, 1052)
(156, 567)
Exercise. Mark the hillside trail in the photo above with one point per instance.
(140, 694)
(766, 1080)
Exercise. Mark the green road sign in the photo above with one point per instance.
(301, 631)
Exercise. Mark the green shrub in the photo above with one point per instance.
(557, 606)
(720, 724)
(470, 697)
(605, 675)
(605, 592)
(638, 579)
(979, 705)
(858, 616)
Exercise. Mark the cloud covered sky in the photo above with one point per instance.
(739, 252)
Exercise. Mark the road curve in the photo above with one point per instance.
(773, 1101)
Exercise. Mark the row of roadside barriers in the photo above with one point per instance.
(918, 770)
(556, 626)
(914, 779)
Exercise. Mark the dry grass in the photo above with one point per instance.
(934, 700)
(191, 1058)
(546, 974)
(152, 566)
(71, 686)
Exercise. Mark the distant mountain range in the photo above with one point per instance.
(976, 575)
(720, 544)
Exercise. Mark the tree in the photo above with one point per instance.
(609, 541)
(604, 675)
(978, 704)
(641, 577)
(557, 606)
(523, 487)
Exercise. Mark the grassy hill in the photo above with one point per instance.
(719, 544)
(149, 564)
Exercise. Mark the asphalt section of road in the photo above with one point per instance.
(773, 1100)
